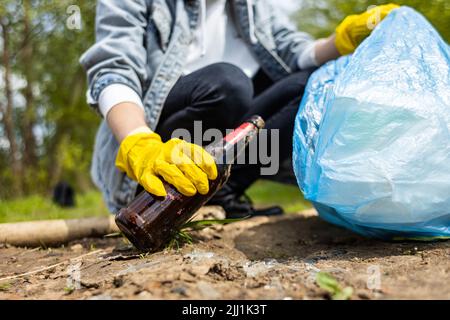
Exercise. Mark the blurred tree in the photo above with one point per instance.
(48, 129)
(320, 17)
(26, 59)
(7, 104)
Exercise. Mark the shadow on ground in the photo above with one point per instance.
(310, 237)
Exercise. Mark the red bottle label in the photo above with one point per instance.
(239, 132)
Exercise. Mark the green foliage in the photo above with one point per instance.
(5, 286)
(328, 283)
(320, 17)
(69, 290)
(265, 193)
(179, 239)
(183, 236)
(201, 224)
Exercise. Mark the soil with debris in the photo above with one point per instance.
(260, 258)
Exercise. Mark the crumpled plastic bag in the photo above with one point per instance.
(372, 135)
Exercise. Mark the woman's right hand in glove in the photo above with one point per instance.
(147, 160)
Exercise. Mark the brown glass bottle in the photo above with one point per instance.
(150, 221)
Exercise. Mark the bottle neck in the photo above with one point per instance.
(227, 150)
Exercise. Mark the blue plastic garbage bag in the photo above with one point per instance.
(372, 135)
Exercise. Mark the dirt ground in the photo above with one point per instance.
(261, 258)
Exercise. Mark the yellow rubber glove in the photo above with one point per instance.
(355, 28)
(145, 158)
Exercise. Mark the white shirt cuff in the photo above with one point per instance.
(307, 58)
(117, 93)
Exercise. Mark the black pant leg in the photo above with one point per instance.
(244, 175)
(278, 105)
(279, 94)
(218, 95)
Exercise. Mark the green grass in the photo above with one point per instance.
(90, 204)
(265, 193)
(40, 208)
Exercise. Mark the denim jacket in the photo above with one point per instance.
(143, 44)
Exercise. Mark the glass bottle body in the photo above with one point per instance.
(150, 221)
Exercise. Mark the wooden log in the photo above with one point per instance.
(55, 232)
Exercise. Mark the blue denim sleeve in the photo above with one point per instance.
(119, 54)
(290, 43)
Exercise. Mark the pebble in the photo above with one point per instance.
(144, 295)
(180, 290)
(101, 297)
(199, 270)
(76, 247)
(207, 291)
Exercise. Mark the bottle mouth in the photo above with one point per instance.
(257, 121)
